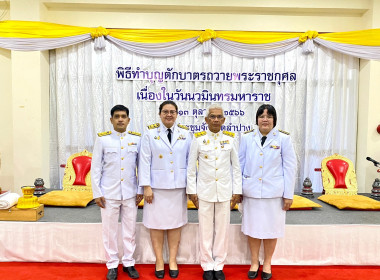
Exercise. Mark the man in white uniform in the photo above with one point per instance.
(214, 189)
(114, 186)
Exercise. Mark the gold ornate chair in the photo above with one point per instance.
(77, 175)
(76, 190)
(338, 176)
(340, 185)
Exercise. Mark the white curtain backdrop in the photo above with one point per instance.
(319, 109)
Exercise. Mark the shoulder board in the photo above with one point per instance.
(153, 126)
(231, 134)
(100, 134)
(134, 133)
(285, 132)
(249, 131)
(199, 134)
(183, 126)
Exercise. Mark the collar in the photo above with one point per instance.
(119, 134)
(164, 128)
(270, 134)
(212, 134)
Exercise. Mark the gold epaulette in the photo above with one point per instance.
(100, 134)
(134, 133)
(231, 134)
(249, 131)
(199, 134)
(285, 132)
(183, 126)
(153, 126)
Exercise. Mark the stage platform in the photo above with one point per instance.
(324, 236)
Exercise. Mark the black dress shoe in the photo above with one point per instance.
(159, 273)
(219, 275)
(131, 271)
(253, 274)
(173, 273)
(112, 274)
(208, 275)
(266, 276)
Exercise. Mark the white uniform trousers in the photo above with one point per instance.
(127, 209)
(214, 221)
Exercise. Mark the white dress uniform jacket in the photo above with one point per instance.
(113, 166)
(163, 165)
(219, 174)
(269, 171)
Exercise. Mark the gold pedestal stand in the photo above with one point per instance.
(28, 200)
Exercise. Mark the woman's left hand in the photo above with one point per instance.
(287, 204)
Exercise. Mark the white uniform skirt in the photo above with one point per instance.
(167, 211)
(263, 218)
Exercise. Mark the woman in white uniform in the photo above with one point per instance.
(162, 173)
(268, 163)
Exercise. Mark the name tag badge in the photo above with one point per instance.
(181, 137)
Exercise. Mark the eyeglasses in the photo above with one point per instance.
(167, 112)
(213, 117)
(266, 116)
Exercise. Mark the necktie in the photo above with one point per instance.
(263, 140)
(170, 135)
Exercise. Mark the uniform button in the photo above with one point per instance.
(122, 179)
(216, 158)
(122, 138)
(122, 147)
(216, 179)
(171, 171)
(216, 168)
(171, 162)
(261, 154)
(261, 166)
(171, 153)
(122, 169)
(260, 179)
(216, 148)
(122, 158)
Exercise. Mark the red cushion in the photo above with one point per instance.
(82, 166)
(338, 169)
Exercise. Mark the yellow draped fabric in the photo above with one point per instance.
(30, 29)
(370, 37)
(34, 29)
(308, 35)
(153, 35)
(252, 37)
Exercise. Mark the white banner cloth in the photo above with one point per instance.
(79, 242)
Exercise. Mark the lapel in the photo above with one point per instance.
(256, 138)
(270, 137)
(163, 136)
(175, 135)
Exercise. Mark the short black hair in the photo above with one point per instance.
(271, 111)
(119, 108)
(167, 102)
